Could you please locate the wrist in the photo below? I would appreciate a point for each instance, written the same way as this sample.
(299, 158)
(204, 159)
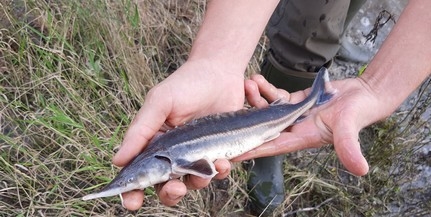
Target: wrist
(216, 69)
(378, 103)
(402, 62)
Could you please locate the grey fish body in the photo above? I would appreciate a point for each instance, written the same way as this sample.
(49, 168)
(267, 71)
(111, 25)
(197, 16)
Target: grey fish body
(191, 148)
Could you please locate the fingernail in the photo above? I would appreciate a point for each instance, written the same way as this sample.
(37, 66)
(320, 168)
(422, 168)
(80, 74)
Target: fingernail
(222, 171)
(174, 197)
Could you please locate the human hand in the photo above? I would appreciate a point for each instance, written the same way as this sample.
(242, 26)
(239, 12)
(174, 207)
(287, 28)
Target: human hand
(353, 107)
(196, 89)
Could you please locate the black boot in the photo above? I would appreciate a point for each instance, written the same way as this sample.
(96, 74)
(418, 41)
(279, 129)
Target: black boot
(285, 78)
(266, 182)
(266, 185)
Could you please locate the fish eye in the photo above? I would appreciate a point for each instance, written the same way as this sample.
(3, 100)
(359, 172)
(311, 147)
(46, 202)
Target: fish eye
(130, 180)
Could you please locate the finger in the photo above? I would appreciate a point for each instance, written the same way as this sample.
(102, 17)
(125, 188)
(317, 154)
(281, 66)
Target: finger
(287, 142)
(171, 192)
(298, 96)
(223, 168)
(346, 142)
(299, 137)
(144, 126)
(269, 91)
(271, 148)
(253, 95)
(133, 200)
(195, 182)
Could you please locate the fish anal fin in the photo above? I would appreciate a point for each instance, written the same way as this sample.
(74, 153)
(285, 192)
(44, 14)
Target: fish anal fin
(202, 168)
(272, 137)
(301, 118)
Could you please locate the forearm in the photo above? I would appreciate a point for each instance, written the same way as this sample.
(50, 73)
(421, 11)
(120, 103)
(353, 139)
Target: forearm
(230, 32)
(404, 60)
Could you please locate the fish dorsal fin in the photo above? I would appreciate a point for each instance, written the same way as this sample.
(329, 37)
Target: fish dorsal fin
(279, 102)
(202, 168)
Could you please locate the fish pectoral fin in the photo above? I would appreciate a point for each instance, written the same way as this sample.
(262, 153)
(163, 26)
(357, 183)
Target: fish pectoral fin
(203, 168)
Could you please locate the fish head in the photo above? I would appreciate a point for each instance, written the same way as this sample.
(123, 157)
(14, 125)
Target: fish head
(139, 174)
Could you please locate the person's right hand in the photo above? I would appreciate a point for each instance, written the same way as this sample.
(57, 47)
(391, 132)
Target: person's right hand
(196, 89)
(353, 106)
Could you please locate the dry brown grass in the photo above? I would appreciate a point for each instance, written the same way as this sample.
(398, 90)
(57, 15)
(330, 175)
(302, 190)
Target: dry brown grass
(73, 74)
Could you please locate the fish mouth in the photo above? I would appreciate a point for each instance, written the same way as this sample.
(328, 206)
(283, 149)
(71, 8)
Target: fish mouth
(109, 191)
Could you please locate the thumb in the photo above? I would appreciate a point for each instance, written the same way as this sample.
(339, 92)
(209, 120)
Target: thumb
(346, 143)
(144, 126)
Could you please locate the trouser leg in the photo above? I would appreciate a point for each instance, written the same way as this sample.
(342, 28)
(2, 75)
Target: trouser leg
(304, 35)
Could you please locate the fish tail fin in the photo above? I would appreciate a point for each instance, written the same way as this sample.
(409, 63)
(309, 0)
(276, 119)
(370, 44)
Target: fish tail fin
(321, 90)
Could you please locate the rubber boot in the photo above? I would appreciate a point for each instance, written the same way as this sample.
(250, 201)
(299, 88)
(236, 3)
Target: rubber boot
(266, 185)
(266, 181)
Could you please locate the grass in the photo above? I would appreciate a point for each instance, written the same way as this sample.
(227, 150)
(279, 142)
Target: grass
(74, 74)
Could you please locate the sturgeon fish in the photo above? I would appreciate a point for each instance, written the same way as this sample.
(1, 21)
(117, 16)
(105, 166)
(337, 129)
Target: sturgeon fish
(192, 148)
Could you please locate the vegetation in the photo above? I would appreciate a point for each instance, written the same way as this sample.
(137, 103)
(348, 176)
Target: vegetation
(73, 75)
